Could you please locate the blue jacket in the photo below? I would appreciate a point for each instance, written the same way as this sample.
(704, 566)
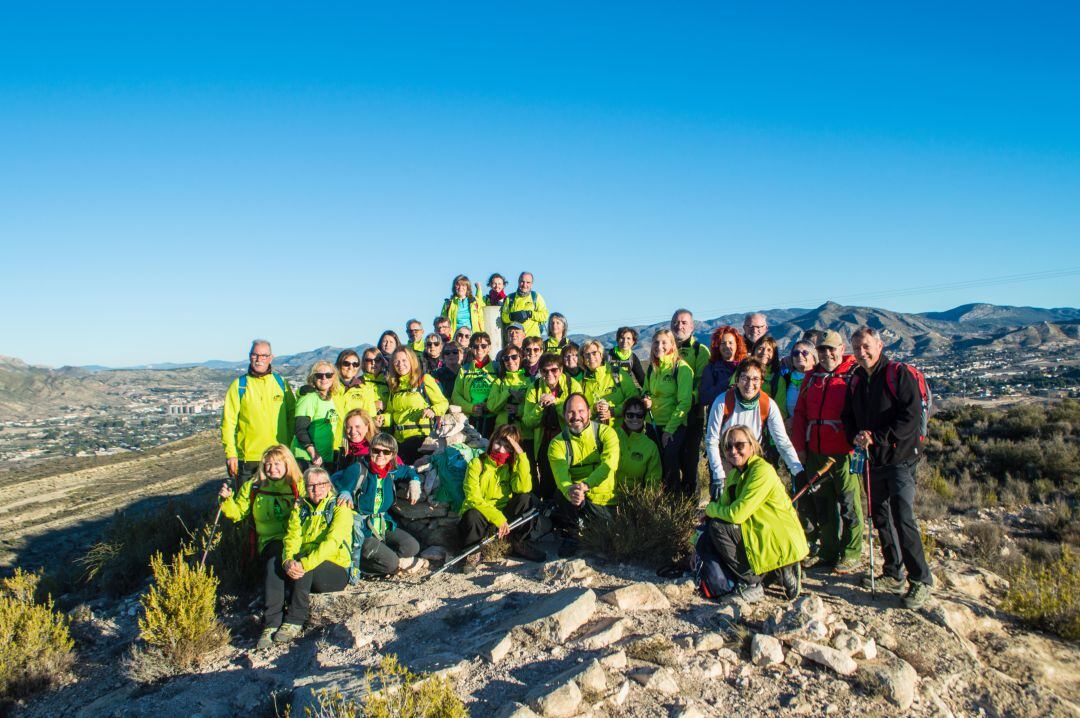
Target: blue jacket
(371, 496)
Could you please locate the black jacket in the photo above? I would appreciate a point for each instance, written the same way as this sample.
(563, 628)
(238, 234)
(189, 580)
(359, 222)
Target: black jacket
(893, 421)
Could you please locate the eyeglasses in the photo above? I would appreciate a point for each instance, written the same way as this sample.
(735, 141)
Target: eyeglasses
(260, 356)
(737, 445)
(432, 344)
(316, 485)
(750, 379)
(551, 370)
(381, 452)
(447, 355)
(634, 416)
(482, 345)
(593, 353)
(351, 363)
(800, 353)
(512, 357)
(324, 375)
(533, 350)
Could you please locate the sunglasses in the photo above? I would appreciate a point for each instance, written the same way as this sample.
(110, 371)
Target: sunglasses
(552, 370)
(324, 375)
(432, 344)
(368, 361)
(800, 353)
(482, 345)
(320, 483)
(634, 417)
(381, 452)
(737, 445)
(351, 363)
(512, 357)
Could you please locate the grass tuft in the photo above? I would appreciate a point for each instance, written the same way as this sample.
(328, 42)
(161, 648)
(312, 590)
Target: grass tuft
(399, 694)
(649, 527)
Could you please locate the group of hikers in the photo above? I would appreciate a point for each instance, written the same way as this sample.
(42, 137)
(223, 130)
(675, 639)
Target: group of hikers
(570, 428)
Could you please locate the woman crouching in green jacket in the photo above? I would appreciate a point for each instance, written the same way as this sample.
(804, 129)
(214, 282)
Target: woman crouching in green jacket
(753, 528)
(268, 499)
(316, 554)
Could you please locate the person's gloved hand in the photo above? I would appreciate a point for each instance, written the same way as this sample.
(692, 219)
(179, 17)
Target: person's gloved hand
(413, 495)
(801, 478)
(714, 491)
(520, 316)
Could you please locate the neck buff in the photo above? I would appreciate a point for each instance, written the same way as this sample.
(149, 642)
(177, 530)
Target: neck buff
(499, 457)
(744, 404)
(382, 471)
(358, 448)
(496, 297)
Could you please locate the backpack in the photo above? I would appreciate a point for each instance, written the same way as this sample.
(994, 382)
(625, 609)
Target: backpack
(256, 489)
(926, 396)
(709, 574)
(306, 511)
(764, 405)
(570, 448)
(242, 386)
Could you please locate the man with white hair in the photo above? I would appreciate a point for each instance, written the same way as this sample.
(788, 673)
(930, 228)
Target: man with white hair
(258, 413)
(754, 327)
(525, 307)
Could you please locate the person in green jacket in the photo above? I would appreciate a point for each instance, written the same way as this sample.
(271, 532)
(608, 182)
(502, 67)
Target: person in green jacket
(606, 386)
(507, 397)
(696, 355)
(315, 555)
(416, 402)
(525, 307)
(498, 489)
(543, 415)
(639, 459)
(462, 308)
(753, 528)
(267, 500)
(571, 361)
(317, 427)
(355, 390)
(584, 458)
(258, 414)
(474, 382)
(374, 373)
(414, 330)
(557, 329)
(668, 395)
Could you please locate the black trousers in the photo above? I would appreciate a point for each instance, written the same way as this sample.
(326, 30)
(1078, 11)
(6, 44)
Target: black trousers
(244, 471)
(690, 451)
(327, 577)
(573, 518)
(381, 557)
(728, 543)
(273, 584)
(669, 456)
(545, 485)
(473, 526)
(892, 507)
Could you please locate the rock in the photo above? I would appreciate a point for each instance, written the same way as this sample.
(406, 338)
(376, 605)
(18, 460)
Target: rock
(807, 617)
(619, 696)
(884, 637)
(831, 658)
(891, 677)
(637, 597)
(711, 641)
(728, 655)
(716, 669)
(593, 679)
(615, 661)
(846, 642)
(557, 615)
(729, 613)
(558, 701)
(686, 643)
(868, 650)
(661, 680)
(564, 570)
(419, 511)
(810, 607)
(497, 649)
(355, 632)
(602, 633)
(765, 650)
(816, 630)
(688, 711)
(679, 590)
(515, 710)
(350, 684)
(435, 554)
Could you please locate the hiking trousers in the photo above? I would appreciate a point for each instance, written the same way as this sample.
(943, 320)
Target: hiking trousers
(473, 526)
(669, 457)
(327, 577)
(381, 557)
(727, 542)
(837, 506)
(273, 584)
(690, 451)
(892, 507)
(574, 518)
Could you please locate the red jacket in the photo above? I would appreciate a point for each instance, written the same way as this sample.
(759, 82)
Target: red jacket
(816, 424)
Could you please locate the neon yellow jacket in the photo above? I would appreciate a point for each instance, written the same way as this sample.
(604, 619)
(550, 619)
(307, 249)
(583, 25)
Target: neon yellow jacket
(476, 313)
(358, 396)
(263, 418)
(554, 346)
(488, 487)
(590, 464)
(696, 355)
(509, 391)
(606, 384)
(407, 404)
(532, 415)
(755, 498)
(472, 386)
(309, 540)
(639, 460)
(538, 312)
(270, 510)
(382, 389)
(671, 387)
(325, 426)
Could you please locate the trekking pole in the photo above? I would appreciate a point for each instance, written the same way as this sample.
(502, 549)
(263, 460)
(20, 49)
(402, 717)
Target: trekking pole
(870, 530)
(210, 541)
(811, 485)
(524, 518)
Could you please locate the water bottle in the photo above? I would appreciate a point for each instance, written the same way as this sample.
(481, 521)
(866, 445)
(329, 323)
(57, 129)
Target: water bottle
(857, 462)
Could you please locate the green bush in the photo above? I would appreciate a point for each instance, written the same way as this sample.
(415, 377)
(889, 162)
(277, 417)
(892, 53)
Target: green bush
(1047, 596)
(35, 643)
(403, 694)
(178, 622)
(649, 526)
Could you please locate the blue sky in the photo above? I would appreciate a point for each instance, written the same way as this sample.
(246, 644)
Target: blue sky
(176, 179)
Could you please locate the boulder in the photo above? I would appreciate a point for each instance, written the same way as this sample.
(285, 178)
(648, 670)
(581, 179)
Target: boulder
(831, 658)
(564, 570)
(765, 650)
(602, 633)
(637, 597)
(846, 642)
(515, 710)
(891, 677)
(661, 680)
(614, 661)
(557, 615)
(497, 648)
(711, 641)
(560, 700)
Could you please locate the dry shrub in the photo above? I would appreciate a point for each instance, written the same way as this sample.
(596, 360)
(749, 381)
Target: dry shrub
(496, 550)
(403, 694)
(649, 526)
(986, 541)
(1047, 596)
(178, 621)
(35, 642)
(660, 650)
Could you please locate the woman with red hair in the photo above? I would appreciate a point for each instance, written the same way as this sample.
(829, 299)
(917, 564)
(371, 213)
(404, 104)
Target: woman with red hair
(726, 349)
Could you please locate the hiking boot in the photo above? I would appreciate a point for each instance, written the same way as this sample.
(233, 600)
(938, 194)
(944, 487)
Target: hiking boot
(846, 565)
(287, 633)
(791, 580)
(525, 550)
(266, 639)
(884, 583)
(916, 596)
(569, 547)
(749, 592)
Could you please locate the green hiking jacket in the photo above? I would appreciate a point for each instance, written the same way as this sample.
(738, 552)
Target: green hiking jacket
(407, 404)
(263, 418)
(270, 510)
(590, 464)
(639, 460)
(606, 384)
(538, 312)
(488, 487)
(309, 540)
(671, 386)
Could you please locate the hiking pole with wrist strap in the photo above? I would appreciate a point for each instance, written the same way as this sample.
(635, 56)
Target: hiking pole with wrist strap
(864, 458)
(213, 532)
(811, 485)
(520, 520)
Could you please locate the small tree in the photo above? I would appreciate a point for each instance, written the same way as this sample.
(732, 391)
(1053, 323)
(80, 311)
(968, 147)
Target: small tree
(35, 644)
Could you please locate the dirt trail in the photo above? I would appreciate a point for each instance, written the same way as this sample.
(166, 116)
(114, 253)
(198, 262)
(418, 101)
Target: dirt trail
(69, 498)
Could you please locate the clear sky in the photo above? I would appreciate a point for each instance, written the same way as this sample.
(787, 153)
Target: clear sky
(176, 178)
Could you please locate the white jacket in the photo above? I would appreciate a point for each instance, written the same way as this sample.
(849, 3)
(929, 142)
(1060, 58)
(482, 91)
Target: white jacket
(752, 420)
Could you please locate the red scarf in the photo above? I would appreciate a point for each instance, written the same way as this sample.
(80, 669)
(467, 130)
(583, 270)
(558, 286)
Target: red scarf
(496, 297)
(358, 448)
(381, 471)
(481, 363)
(499, 457)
